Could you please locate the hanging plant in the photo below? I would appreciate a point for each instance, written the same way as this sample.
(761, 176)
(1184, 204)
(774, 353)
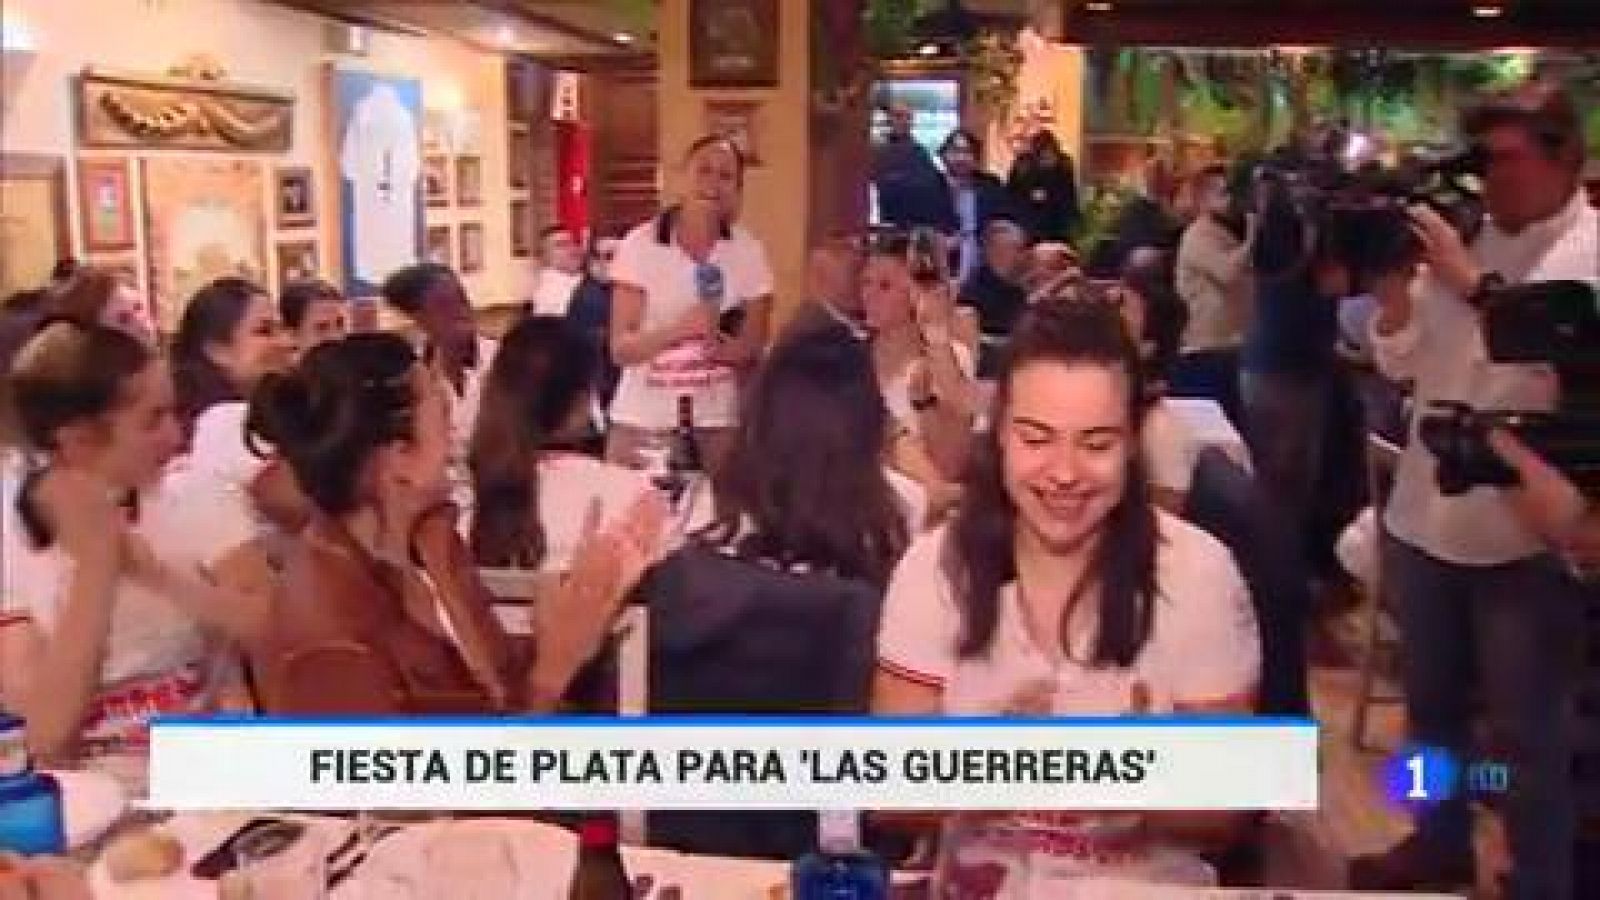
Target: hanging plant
(993, 61)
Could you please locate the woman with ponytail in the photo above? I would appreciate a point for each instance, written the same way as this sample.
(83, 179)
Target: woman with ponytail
(531, 484)
(382, 608)
(98, 632)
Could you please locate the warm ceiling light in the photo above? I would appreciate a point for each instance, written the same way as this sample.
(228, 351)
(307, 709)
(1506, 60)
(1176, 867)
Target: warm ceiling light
(505, 35)
(928, 49)
(622, 37)
(1488, 12)
(1098, 6)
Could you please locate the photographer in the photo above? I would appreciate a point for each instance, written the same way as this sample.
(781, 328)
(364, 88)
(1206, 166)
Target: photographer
(1477, 592)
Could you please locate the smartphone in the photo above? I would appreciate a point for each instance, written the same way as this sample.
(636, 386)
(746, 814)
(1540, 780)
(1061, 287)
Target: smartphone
(224, 858)
(926, 268)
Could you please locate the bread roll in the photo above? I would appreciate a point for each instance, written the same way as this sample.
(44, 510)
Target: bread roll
(143, 854)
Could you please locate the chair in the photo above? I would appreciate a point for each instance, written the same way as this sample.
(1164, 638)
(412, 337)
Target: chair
(1382, 458)
(729, 635)
(517, 590)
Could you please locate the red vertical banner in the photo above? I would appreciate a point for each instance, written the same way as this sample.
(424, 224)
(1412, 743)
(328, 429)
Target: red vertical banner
(573, 173)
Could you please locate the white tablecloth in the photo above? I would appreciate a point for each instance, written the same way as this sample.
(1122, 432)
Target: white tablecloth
(545, 857)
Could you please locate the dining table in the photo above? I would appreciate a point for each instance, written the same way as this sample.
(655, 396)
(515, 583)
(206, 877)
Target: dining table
(520, 859)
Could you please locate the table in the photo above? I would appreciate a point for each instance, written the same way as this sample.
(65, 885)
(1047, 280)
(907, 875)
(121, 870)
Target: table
(1210, 426)
(546, 855)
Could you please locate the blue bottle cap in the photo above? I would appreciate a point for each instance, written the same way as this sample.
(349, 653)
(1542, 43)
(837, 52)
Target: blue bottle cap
(708, 283)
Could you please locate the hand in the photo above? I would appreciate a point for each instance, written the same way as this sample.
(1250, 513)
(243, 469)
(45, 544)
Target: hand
(1545, 500)
(82, 511)
(934, 309)
(41, 878)
(1447, 255)
(696, 323)
(1033, 698)
(574, 621)
(726, 351)
(403, 502)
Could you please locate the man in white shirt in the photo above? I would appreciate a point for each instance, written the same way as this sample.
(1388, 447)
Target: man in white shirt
(1476, 590)
(560, 270)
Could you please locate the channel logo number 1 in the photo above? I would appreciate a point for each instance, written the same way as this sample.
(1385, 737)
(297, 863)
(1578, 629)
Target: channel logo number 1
(1420, 776)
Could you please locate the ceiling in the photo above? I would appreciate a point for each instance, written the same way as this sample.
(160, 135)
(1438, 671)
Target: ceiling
(582, 32)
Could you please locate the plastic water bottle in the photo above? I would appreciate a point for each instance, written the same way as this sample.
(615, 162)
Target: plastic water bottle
(30, 802)
(841, 869)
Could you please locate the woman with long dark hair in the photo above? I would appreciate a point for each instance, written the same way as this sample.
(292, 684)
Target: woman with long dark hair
(690, 300)
(805, 483)
(220, 498)
(313, 311)
(531, 482)
(382, 610)
(1059, 588)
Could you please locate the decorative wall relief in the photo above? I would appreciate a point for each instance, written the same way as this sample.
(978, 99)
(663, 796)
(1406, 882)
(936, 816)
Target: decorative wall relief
(204, 219)
(191, 108)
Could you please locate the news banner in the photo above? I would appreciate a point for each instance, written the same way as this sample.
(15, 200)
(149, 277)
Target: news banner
(728, 763)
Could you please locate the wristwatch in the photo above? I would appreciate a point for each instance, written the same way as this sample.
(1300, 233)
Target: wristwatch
(1488, 283)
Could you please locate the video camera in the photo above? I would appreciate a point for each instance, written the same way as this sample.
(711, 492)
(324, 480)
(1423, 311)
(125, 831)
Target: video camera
(1360, 210)
(1552, 322)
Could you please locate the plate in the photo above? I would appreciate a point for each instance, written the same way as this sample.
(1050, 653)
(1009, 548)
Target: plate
(91, 802)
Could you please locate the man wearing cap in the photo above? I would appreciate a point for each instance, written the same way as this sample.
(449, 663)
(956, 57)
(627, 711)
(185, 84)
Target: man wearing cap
(1481, 601)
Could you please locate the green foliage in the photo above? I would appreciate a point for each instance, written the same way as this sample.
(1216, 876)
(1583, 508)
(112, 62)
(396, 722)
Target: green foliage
(888, 24)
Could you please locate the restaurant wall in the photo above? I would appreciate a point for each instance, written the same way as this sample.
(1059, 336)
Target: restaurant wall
(264, 45)
(777, 191)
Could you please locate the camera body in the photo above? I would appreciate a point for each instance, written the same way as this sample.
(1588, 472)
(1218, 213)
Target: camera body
(1360, 213)
(1556, 323)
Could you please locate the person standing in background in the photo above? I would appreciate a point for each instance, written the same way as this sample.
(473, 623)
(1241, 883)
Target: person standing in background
(1214, 282)
(975, 198)
(909, 185)
(590, 311)
(691, 297)
(1044, 189)
(560, 271)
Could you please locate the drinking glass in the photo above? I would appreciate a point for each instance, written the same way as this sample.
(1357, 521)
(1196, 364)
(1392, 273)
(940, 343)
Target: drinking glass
(268, 870)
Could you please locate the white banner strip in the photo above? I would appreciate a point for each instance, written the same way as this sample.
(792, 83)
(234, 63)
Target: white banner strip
(734, 763)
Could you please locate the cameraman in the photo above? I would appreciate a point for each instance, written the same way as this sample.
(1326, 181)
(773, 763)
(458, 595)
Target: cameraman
(1476, 591)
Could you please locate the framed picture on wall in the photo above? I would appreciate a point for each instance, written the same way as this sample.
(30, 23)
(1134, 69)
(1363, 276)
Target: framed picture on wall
(296, 203)
(105, 198)
(469, 181)
(436, 181)
(376, 149)
(297, 261)
(520, 157)
(203, 219)
(438, 249)
(471, 259)
(35, 230)
(736, 120)
(733, 43)
(521, 229)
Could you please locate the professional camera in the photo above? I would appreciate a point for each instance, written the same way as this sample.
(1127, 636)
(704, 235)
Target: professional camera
(1552, 322)
(1360, 210)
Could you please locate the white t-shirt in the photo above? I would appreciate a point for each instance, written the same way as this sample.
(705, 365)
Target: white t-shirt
(897, 389)
(157, 660)
(203, 509)
(1203, 647)
(647, 395)
(380, 158)
(1170, 449)
(552, 291)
